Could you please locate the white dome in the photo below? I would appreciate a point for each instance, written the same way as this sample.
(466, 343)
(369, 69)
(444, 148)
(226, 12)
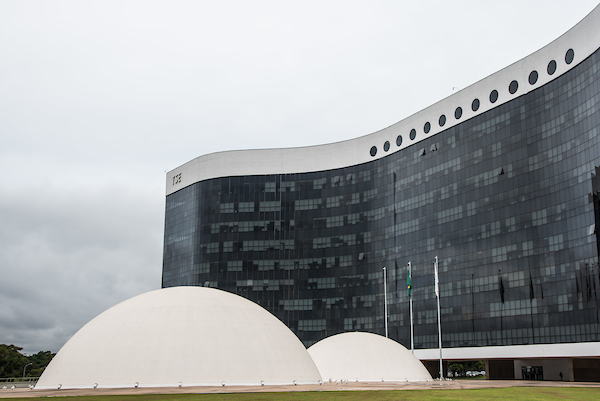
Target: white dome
(189, 336)
(366, 357)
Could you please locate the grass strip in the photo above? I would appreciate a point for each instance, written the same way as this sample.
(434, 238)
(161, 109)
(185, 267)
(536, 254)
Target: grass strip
(498, 394)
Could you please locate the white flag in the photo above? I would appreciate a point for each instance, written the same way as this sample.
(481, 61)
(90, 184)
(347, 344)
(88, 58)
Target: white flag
(437, 280)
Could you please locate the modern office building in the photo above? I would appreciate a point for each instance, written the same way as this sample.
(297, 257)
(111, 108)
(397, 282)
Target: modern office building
(498, 181)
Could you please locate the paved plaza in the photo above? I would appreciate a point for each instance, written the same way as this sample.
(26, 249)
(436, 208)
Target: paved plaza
(350, 386)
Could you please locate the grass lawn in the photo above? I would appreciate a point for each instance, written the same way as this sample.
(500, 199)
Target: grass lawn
(511, 393)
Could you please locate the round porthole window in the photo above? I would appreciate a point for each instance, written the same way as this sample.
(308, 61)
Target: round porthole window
(533, 77)
(427, 127)
(458, 113)
(373, 151)
(413, 134)
(512, 88)
(386, 146)
(399, 140)
(494, 96)
(442, 120)
(475, 105)
(569, 56)
(551, 67)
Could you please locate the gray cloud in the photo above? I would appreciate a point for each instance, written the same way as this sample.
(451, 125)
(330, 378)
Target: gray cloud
(66, 256)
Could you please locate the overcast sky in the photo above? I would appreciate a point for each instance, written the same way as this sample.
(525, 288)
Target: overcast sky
(99, 98)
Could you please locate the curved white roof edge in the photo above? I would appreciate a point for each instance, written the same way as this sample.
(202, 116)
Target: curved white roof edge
(566, 350)
(583, 38)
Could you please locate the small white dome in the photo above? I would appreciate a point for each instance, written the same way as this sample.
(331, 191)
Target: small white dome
(366, 357)
(189, 336)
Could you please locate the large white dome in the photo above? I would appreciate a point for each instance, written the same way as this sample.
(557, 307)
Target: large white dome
(366, 357)
(189, 336)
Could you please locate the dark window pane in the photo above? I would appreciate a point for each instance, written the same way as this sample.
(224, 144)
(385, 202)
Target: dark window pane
(551, 67)
(458, 113)
(533, 77)
(494, 96)
(569, 56)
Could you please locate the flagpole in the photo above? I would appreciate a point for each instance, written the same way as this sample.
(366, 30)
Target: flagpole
(385, 301)
(412, 333)
(437, 295)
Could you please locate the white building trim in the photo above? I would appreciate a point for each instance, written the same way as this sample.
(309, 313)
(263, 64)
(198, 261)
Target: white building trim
(568, 350)
(583, 38)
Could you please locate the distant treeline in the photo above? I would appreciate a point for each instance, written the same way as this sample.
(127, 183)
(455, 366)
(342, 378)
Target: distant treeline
(12, 362)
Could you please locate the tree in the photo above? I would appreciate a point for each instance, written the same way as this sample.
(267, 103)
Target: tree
(12, 362)
(39, 362)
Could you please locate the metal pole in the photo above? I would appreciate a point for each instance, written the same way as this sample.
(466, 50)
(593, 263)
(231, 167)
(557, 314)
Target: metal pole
(26, 368)
(437, 294)
(412, 332)
(385, 301)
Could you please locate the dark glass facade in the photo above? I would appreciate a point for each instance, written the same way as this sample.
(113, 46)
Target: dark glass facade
(505, 200)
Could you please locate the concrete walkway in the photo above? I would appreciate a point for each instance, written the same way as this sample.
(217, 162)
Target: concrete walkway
(350, 386)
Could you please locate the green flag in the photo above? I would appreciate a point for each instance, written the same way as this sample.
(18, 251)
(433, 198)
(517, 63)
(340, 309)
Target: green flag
(408, 282)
